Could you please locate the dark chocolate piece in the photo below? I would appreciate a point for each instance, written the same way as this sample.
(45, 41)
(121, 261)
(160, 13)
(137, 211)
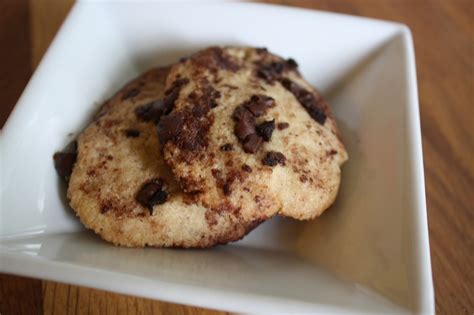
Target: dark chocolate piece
(169, 127)
(151, 111)
(226, 147)
(283, 125)
(265, 129)
(242, 113)
(172, 94)
(152, 193)
(271, 71)
(259, 104)
(273, 158)
(226, 189)
(291, 63)
(224, 61)
(130, 93)
(252, 143)
(132, 133)
(244, 128)
(64, 161)
(306, 99)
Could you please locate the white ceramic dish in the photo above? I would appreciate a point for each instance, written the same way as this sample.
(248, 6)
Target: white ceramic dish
(368, 253)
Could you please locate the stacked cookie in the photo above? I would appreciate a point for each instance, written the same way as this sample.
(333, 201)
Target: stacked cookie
(201, 152)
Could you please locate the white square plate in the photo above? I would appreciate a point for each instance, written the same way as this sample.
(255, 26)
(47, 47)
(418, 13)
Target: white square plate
(368, 253)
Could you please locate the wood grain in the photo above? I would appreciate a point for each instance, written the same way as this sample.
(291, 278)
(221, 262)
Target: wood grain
(45, 19)
(15, 53)
(443, 32)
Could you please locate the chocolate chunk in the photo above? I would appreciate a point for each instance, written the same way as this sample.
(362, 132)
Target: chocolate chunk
(283, 125)
(261, 50)
(105, 207)
(64, 161)
(177, 84)
(205, 101)
(271, 71)
(169, 127)
(259, 104)
(306, 99)
(221, 182)
(171, 95)
(132, 133)
(332, 152)
(200, 109)
(215, 95)
(170, 99)
(230, 87)
(152, 193)
(217, 174)
(186, 131)
(212, 95)
(273, 158)
(247, 168)
(317, 114)
(224, 61)
(244, 128)
(130, 93)
(291, 63)
(214, 59)
(245, 123)
(159, 197)
(303, 178)
(226, 147)
(151, 111)
(252, 143)
(226, 189)
(265, 129)
(242, 113)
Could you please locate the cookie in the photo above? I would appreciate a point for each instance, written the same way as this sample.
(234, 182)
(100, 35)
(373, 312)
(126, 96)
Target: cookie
(120, 187)
(248, 135)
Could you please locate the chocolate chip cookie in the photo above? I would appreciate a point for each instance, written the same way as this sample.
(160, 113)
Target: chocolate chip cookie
(247, 135)
(119, 185)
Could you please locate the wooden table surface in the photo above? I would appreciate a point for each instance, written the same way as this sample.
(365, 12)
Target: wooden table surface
(443, 32)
